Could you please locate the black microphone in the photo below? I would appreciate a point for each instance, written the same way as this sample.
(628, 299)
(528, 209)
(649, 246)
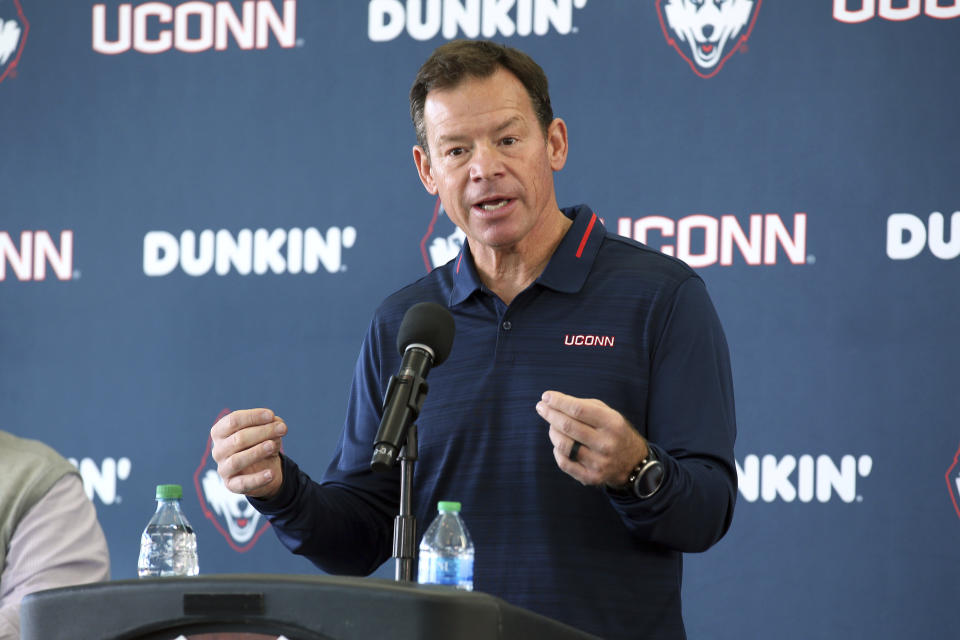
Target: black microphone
(425, 339)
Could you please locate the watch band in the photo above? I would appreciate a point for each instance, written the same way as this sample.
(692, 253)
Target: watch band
(647, 477)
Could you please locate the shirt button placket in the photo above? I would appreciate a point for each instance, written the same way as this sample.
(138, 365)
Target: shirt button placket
(508, 355)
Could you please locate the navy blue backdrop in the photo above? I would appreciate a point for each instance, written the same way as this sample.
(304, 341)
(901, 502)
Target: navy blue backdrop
(201, 204)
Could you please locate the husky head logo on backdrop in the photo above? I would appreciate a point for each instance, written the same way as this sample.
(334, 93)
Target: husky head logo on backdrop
(707, 32)
(13, 35)
(244, 524)
(443, 240)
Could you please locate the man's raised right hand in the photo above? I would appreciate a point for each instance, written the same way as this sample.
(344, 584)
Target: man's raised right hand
(246, 447)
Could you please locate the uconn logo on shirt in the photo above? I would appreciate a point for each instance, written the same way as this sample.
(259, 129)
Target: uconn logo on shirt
(582, 340)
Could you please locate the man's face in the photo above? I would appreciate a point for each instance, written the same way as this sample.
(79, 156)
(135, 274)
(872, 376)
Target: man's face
(489, 160)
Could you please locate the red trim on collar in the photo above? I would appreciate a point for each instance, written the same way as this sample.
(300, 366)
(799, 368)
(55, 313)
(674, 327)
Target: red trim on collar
(586, 234)
(459, 258)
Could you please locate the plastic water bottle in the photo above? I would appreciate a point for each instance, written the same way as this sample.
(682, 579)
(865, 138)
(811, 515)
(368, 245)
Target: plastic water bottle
(168, 546)
(446, 551)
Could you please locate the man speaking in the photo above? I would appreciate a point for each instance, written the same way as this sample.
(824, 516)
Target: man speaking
(584, 416)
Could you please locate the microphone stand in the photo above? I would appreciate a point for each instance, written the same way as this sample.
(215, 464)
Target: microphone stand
(411, 392)
(405, 524)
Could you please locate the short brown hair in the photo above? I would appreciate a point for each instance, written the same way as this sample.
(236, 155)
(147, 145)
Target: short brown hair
(455, 61)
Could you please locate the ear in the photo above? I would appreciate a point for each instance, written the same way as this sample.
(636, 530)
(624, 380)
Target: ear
(422, 160)
(557, 144)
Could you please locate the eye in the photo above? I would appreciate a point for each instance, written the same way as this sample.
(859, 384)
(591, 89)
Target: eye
(456, 151)
(508, 141)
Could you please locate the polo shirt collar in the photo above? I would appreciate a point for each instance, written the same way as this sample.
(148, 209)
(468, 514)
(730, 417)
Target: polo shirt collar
(571, 262)
(568, 267)
(466, 280)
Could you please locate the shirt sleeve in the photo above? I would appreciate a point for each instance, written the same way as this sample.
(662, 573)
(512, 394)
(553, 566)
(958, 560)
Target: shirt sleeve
(58, 543)
(691, 426)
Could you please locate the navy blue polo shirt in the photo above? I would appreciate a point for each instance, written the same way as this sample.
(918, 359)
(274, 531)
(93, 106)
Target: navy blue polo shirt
(609, 318)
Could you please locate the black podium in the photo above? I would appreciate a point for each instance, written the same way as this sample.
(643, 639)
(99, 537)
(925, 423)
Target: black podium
(272, 606)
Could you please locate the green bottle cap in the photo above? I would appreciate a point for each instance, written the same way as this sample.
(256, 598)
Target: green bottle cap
(169, 492)
(445, 505)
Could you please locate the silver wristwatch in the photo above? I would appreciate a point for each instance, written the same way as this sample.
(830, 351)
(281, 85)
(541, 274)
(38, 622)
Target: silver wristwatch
(647, 477)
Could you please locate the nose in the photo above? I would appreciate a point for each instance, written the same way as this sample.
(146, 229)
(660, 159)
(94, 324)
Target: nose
(485, 163)
(707, 31)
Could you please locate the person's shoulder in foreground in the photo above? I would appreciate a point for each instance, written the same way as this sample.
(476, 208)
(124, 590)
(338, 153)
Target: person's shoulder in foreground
(49, 533)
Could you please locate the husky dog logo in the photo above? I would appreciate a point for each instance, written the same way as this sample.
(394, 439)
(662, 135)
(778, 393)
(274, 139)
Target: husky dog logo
(953, 482)
(443, 240)
(13, 35)
(710, 30)
(244, 524)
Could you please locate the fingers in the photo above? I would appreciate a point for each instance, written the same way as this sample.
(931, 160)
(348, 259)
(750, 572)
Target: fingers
(581, 465)
(569, 419)
(589, 411)
(237, 420)
(250, 484)
(609, 445)
(573, 457)
(238, 441)
(239, 462)
(246, 448)
(563, 445)
(564, 431)
(255, 471)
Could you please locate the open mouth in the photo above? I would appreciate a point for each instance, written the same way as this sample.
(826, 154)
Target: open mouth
(493, 204)
(706, 48)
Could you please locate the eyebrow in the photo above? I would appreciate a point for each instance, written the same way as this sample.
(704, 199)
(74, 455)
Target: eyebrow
(506, 124)
(509, 122)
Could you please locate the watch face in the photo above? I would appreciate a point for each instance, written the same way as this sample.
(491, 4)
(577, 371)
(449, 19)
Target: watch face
(648, 480)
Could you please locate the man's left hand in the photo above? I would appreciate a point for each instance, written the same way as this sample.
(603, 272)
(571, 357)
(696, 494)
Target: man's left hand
(609, 448)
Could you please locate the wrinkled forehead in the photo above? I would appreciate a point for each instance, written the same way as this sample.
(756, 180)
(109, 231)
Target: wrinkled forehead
(478, 94)
(499, 95)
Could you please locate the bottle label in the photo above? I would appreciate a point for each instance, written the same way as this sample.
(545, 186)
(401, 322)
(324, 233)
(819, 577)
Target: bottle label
(455, 571)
